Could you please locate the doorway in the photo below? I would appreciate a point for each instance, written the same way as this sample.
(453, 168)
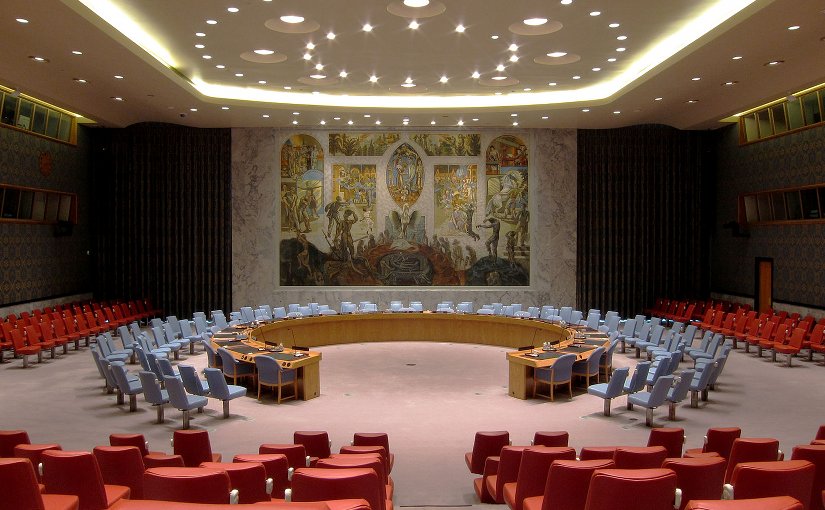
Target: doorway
(763, 285)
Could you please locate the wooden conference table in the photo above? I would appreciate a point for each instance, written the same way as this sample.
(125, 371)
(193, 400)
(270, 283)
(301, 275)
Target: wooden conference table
(316, 331)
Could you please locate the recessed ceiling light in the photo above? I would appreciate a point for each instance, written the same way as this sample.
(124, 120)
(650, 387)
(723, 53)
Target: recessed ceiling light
(552, 84)
(535, 22)
(614, 25)
(494, 37)
(79, 80)
(500, 67)
(658, 99)
(476, 75)
(292, 19)
(611, 59)
(232, 9)
(22, 20)
(621, 38)
(336, 118)
(414, 25)
(318, 67)
(294, 122)
(211, 22)
(696, 78)
(475, 119)
(287, 87)
(296, 113)
(317, 76)
(77, 52)
(224, 107)
(373, 79)
(262, 82)
(405, 122)
(793, 27)
(408, 80)
(528, 89)
(367, 115)
(566, 2)
(498, 93)
(367, 27)
(514, 115)
(265, 116)
(460, 29)
(220, 66)
(264, 52)
(774, 63)
(432, 123)
(307, 56)
(513, 58)
(620, 49)
(323, 122)
(691, 101)
(200, 34)
(595, 13)
(118, 77)
(513, 47)
(557, 54)
(38, 58)
(498, 78)
(207, 57)
(416, 3)
(577, 77)
(544, 117)
(239, 75)
(310, 46)
(730, 83)
(736, 57)
(460, 123)
(443, 79)
(349, 122)
(377, 122)
(330, 35)
(515, 123)
(343, 74)
(193, 109)
(200, 46)
(116, 98)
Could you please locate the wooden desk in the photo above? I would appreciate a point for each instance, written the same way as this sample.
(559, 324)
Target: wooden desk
(523, 363)
(247, 347)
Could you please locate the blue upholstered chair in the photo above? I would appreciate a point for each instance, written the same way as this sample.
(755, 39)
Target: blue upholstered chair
(161, 342)
(652, 399)
(234, 368)
(279, 312)
(637, 382)
(152, 392)
(181, 400)
(610, 390)
(560, 372)
(641, 335)
(127, 384)
(606, 362)
(187, 333)
(701, 382)
(173, 336)
(658, 368)
(219, 319)
(193, 384)
(220, 390)
(166, 369)
(712, 349)
(679, 392)
(247, 314)
(575, 317)
(213, 360)
(655, 339)
(590, 367)
(270, 373)
(106, 352)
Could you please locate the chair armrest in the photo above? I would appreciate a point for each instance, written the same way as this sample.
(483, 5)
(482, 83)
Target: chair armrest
(491, 466)
(677, 500)
(289, 473)
(308, 460)
(233, 497)
(727, 491)
(288, 495)
(269, 486)
(40, 469)
(780, 455)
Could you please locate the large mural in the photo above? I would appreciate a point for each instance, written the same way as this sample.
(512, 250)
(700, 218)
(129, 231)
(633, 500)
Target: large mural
(336, 239)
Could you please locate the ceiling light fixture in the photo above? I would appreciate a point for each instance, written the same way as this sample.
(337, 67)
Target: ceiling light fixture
(597, 69)
(291, 19)
(595, 13)
(793, 27)
(696, 78)
(460, 122)
(614, 25)
(620, 49)
(498, 78)
(773, 63)
(330, 35)
(336, 118)
(527, 89)
(207, 57)
(200, 34)
(432, 123)
(224, 107)
(552, 84)
(692, 101)
(494, 37)
(200, 46)
(611, 59)
(416, 3)
(444, 79)
(310, 46)
(476, 75)
(262, 82)
(658, 99)
(211, 22)
(239, 75)
(535, 22)
(116, 98)
(367, 27)
(307, 56)
(373, 79)
(621, 38)
(367, 115)
(220, 66)
(22, 20)
(232, 9)
(79, 80)
(515, 123)
(118, 77)
(193, 109)
(77, 52)
(39, 59)
(513, 58)
(730, 83)
(513, 47)
(317, 76)
(318, 67)
(500, 67)
(287, 87)
(265, 116)
(577, 77)
(460, 29)
(413, 25)
(514, 115)
(343, 74)
(736, 57)
(557, 54)
(264, 52)
(617, 112)
(323, 122)
(566, 2)
(377, 122)
(294, 122)
(544, 117)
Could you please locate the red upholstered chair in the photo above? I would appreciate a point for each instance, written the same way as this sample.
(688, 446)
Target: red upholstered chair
(778, 503)
(820, 433)
(365, 460)
(20, 490)
(374, 439)
(671, 438)
(778, 478)
(639, 457)
(121, 465)
(815, 454)
(316, 443)
(136, 440)
(194, 447)
(77, 473)
(486, 444)
(698, 478)
(567, 484)
(551, 438)
(631, 489)
(598, 452)
(532, 473)
(11, 438)
(21, 348)
(34, 452)
(154, 460)
(188, 485)
(296, 454)
(490, 487)
(379, 450)
(751, 449)
(276, 466)
(340, 504)
(719, 440)
(248, 477)
(315, 484)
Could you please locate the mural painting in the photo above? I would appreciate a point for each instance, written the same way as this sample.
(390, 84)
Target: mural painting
(449, 144)
(360, 144)
(477, 240)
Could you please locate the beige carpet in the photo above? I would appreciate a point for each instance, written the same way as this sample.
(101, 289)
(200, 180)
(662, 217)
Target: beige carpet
(429, 397)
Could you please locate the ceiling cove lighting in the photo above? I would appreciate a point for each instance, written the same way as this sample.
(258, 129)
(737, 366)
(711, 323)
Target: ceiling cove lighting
(535, 22)
(292, 19)
(416, 3)
(713, 15)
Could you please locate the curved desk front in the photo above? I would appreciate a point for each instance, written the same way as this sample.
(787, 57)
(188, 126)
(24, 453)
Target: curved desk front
(501, 331)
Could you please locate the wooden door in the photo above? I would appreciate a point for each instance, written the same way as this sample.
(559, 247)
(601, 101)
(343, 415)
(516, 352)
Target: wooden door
(763, 291)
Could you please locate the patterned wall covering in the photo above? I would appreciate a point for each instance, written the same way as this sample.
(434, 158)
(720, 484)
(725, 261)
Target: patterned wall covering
(797, 250)
(35, 263)
(257, 222)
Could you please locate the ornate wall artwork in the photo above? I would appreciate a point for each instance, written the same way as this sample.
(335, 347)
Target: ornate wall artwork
(506, 222)
(355, 186)
(449, 144)
(361, 144)
(455, 218)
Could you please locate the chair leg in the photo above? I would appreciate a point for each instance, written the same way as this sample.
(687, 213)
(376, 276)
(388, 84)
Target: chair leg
(694, 399)
(185, 419)
(649, 417)
(25, 361)
(191, 347)
(133, 402)
(40, 357)
(629, 404)
(773, 356)
(160, 413)
(226, 409)
(119, 397)
(790, 356)
(671, 411)
(607, 407)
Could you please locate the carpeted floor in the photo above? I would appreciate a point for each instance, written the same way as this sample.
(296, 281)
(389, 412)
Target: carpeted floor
(430, 397)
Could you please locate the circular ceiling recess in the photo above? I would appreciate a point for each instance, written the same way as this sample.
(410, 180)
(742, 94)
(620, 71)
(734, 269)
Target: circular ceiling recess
(251, 56)
(428, 11)
(502, 81)
(557, 61)
(521, 28)
(329, 80)
(303, 27)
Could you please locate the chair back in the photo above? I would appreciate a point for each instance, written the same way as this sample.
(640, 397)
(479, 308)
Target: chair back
(751, 449)
(551, 438)
(594, 360)
(615, 386)
(815, 454)
(178, 396)
(639, 457)
(660, 369)
(228, 363)
(486, 444)
(247, 477)
(136, 440)
(568, 482)
(637, 381)
(185, 328)
(678, 392)
(268, 369)
(533, 469)
(316, 442)
(193, 445)
(672, 439)
(296, 454)
(620, 489)
(276, 466)
(776, 478)
(218, 386)
(659, 392)
(316, 484)
(357, 460)
(212, 358)
(165, 367)
(121, 465)
(191, 382)
(75, 473)
(187, 485)
(11, 438)
(201, 325)
(119, 373)
(720, 440)
(562, 369)
(629, 328)
(372, 439)
(698, 478)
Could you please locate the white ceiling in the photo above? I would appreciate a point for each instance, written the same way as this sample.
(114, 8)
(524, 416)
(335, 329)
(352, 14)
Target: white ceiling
(163, 90)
